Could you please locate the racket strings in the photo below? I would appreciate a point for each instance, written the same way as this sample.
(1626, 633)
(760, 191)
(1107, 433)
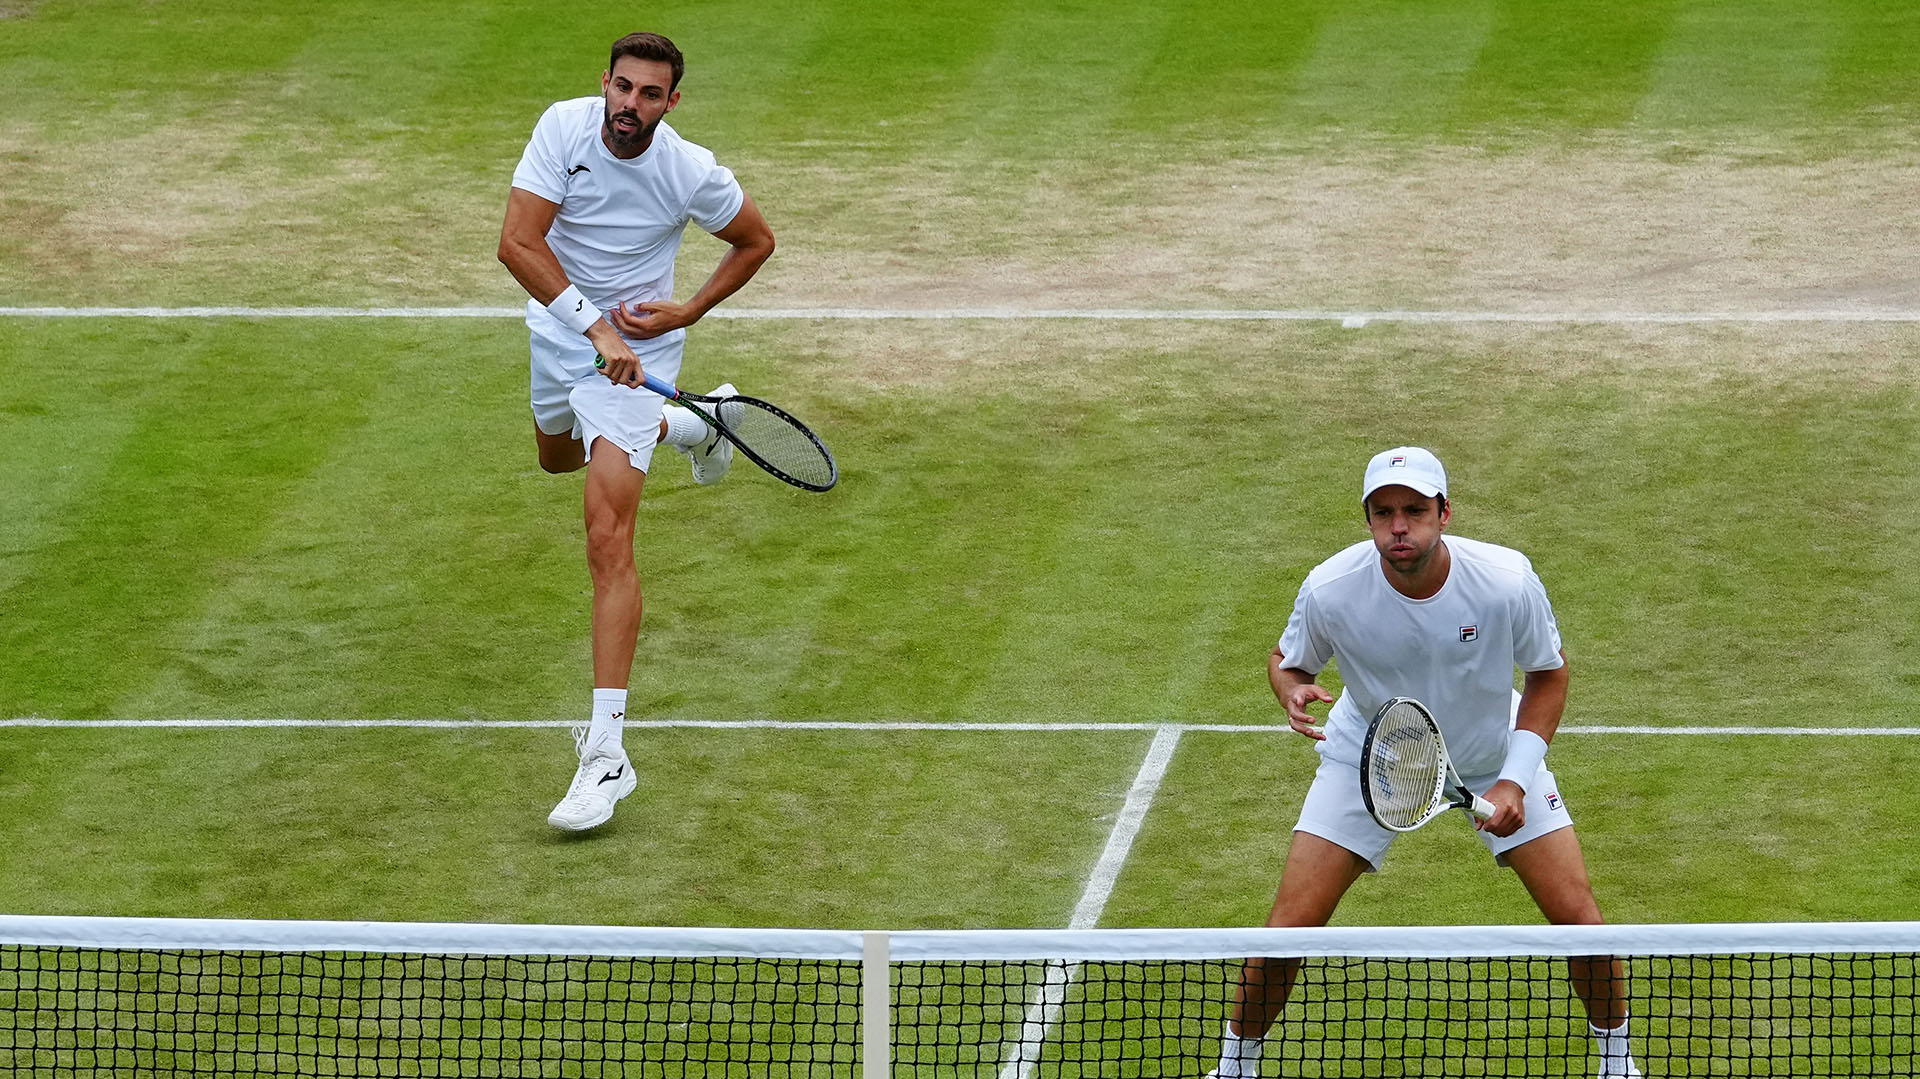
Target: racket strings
(781, 442)
(1405, 768)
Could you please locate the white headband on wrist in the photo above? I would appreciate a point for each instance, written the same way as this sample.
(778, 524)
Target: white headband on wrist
(573, 309)
(1525, 751)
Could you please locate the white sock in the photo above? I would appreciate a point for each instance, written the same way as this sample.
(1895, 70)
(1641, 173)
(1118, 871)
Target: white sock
(1616, 1057)
(1239, 1057)
(684, 426)
(609, 713)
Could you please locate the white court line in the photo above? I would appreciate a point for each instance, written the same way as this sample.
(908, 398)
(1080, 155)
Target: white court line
(1146, 784)
(902, 725)
(1045, 1010)
(1349, 319)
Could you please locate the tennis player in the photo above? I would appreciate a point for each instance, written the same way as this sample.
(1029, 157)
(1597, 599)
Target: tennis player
(1446, 621)
(599, 203)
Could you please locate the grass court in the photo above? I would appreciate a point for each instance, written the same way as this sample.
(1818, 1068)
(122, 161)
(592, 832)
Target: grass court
(1061, 520)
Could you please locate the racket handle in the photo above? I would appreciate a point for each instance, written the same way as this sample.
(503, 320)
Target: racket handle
(664, 389)
(1482, 808)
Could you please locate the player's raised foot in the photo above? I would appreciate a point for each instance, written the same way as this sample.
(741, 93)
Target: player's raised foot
(713, 456)
(730, 412)
(604, 777)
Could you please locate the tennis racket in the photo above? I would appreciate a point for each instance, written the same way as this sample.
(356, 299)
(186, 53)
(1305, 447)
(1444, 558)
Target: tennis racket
(765, 432)
(1406, 777)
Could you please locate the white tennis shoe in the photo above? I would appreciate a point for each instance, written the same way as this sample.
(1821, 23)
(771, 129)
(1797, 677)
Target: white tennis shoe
(604, 777)
(713, 456)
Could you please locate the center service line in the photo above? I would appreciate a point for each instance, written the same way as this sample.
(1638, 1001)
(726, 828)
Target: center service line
(1044, 1012)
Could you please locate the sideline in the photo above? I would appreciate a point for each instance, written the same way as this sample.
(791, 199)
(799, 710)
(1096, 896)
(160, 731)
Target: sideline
(916, 725)
(1348, 319)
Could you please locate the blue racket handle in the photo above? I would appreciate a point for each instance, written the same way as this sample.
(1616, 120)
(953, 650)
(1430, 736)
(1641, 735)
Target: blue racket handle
(665, 390)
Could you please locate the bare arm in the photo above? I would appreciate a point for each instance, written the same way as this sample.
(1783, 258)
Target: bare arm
(524, 252)
(1295, 687)
(523, 245)
(749, 242)
(1543, 697)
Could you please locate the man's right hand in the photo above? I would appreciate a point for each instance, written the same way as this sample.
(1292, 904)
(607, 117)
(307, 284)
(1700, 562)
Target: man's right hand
(622, 367)
(1297, 716)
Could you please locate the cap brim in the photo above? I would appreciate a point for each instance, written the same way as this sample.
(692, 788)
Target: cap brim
(1426, 489)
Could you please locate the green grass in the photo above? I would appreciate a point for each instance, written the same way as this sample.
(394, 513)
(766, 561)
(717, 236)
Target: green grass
(359, 152)
(1043, 521)
(357, 531)
(1038, 521)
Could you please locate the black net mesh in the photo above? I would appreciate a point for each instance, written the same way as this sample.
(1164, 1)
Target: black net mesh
(81, 1012)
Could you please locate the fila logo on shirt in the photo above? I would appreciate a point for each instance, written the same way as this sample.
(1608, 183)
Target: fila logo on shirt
(1469, 633)
(1553, 799)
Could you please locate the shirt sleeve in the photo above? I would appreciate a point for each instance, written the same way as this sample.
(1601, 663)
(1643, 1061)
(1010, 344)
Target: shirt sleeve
(542, 168)
(717, 200)
(1536, 633)
(1304, 644)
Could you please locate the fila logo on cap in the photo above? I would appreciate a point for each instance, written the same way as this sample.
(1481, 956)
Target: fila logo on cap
(1406, 466)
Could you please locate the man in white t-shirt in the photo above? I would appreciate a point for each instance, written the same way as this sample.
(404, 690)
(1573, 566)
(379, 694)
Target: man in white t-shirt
(594, 219)
(1446, 621)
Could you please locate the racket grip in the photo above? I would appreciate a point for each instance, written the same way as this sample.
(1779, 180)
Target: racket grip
(663, 389)
(1481, 808)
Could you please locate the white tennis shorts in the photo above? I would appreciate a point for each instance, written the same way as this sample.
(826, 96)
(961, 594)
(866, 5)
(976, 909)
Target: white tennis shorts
(1334, 811)
(571, 396)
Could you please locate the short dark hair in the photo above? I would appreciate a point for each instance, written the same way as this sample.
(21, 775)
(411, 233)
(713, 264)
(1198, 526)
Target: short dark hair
(645, 46)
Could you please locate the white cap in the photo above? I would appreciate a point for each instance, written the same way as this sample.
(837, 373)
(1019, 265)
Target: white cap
(1407, 466)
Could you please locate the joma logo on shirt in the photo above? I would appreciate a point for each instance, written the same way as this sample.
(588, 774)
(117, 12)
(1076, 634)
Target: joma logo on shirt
(1468, 633)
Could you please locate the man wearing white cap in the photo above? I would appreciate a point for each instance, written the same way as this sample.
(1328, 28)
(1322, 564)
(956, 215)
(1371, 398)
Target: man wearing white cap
(1413, 612)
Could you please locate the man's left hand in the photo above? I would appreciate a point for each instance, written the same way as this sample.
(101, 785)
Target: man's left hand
(641, 321)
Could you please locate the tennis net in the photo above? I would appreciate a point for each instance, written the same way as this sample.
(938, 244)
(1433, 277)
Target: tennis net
(167, 997)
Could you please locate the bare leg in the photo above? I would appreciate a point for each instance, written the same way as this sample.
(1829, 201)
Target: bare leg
(1317, 875)
(559, 453)
(612, 499)
(1555, 874)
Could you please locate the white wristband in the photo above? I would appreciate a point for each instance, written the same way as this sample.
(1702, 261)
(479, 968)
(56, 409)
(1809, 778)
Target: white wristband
(573, 309)
(1525, 751)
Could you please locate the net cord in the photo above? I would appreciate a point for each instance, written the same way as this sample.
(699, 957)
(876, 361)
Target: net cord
(1464, 941)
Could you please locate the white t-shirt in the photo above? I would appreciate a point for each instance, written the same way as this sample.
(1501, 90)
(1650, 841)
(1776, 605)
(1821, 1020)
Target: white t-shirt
(1454, 651)
(620, 222)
